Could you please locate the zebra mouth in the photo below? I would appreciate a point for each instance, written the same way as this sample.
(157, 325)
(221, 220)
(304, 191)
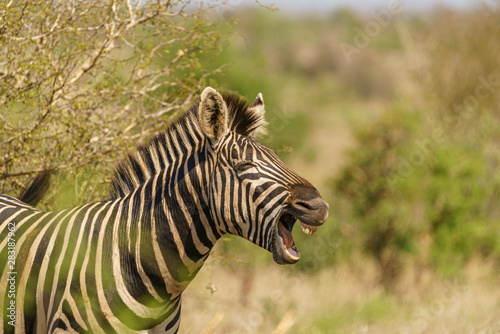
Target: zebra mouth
(284, 250)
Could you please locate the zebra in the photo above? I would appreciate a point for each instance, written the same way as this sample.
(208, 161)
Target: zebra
(120, 265)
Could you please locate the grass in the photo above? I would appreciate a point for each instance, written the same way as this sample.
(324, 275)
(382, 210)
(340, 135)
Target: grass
(338, 319)
(341, 299)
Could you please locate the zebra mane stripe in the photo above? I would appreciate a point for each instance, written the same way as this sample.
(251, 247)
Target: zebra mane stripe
(178, 139)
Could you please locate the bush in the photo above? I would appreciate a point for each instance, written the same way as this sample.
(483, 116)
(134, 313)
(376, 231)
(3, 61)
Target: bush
(423, 181)
(380, 190)
(81, 82)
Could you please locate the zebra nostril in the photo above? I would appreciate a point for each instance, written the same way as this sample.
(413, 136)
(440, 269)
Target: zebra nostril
(312, 204)
(304, 205)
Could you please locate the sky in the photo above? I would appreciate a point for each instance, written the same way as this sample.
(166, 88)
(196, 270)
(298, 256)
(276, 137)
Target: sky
(304, 6)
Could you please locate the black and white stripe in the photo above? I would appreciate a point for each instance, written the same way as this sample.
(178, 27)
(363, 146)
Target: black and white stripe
(120, 265)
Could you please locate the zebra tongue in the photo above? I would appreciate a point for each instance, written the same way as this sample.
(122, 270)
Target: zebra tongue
(288, 242)
(286, 236)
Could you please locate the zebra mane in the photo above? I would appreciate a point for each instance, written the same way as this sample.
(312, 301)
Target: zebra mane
(243, 118)
(179, 138)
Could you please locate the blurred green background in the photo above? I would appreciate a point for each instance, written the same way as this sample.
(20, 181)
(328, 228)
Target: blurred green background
(394, 115)
(395, 118)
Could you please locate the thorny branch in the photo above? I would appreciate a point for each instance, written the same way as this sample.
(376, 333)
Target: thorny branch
(82, 81)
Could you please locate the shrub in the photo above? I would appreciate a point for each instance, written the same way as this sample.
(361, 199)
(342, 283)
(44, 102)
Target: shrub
(84, 81)
(423, 180)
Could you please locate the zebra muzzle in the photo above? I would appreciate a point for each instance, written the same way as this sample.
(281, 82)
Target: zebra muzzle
(310, 210)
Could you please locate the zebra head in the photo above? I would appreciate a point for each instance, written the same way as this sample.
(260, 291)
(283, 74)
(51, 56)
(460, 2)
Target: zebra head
(253, 194)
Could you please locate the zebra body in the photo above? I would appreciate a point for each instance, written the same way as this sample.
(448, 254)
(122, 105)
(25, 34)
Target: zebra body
(121, 265)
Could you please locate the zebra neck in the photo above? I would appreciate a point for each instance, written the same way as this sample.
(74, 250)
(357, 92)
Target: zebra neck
(167, 180)
(177, 222)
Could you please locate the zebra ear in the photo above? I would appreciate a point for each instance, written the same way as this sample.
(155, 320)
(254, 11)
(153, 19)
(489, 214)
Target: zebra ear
(212, 114)
(256, 111)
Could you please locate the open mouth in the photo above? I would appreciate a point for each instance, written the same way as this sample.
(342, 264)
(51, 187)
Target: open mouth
(285, 250)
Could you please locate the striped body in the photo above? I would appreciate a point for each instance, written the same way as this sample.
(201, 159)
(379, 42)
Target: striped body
(120, 265)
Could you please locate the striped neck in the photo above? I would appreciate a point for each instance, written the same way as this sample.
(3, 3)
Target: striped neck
(172, 233)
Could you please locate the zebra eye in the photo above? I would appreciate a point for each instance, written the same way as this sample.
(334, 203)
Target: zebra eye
(244, 165)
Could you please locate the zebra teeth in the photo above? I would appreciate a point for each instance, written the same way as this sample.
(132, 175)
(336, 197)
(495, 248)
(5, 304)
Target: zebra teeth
(308, 229)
